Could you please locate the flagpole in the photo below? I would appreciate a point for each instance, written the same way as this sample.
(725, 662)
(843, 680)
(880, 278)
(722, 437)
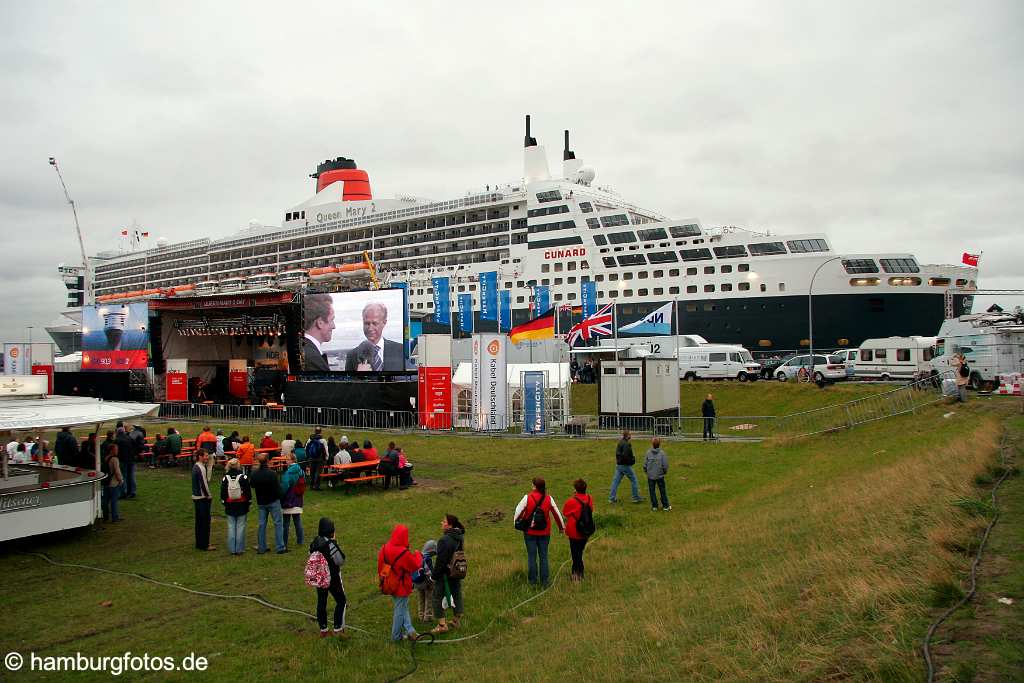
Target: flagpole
(618, 365)
(675, 309)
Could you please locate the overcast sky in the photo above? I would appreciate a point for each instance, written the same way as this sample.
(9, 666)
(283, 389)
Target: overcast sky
(889, 125)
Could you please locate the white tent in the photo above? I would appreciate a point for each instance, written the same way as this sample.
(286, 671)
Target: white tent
(463, 376)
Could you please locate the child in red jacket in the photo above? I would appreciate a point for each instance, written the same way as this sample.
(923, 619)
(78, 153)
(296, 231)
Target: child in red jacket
(403, 562)
(577, 540)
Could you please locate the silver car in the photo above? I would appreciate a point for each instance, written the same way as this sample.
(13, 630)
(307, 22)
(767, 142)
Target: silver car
(826, 368)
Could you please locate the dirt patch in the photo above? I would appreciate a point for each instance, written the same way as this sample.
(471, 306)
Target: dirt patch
(489, 516)
(442, 486)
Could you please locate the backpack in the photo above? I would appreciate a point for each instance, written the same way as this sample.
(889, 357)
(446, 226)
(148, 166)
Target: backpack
(299, 487)
(318, 575)
(533, 521)
(235, 493)
(313, 450)
(389, 579)
(964, 370)
(585, 522)
(457, 567)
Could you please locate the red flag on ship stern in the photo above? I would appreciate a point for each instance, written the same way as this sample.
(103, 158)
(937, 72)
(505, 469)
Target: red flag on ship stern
(971, 259)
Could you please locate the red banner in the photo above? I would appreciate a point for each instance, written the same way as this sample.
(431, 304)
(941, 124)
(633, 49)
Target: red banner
(238, 383)
(434, 402)
(115, 360)
(45, 370)
(177, 386)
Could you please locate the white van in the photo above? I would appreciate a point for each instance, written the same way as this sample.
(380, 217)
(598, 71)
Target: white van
(717, 361)
(849, 359)
(894, 358)
(992, 343)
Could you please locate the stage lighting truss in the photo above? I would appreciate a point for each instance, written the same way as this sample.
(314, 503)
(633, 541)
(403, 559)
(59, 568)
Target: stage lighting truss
(237, 326)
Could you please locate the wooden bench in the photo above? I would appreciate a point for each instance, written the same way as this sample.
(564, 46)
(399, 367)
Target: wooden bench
(368, 477)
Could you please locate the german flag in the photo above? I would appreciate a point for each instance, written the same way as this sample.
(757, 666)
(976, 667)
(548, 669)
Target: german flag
(541, 327)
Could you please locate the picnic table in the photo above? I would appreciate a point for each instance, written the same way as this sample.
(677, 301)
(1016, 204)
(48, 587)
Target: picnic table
(353, 473)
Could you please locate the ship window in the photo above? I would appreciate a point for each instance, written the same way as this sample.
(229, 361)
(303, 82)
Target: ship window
(545, 267)
(674, 272)
(621, 237)
(586, 207)
(938, 281)
(642, 275)
(632, 260)
(662, 257)
(609, 261)
(725, 269)
(673, 290)
(767, 248)
(558, 280)
(726, 287)
(547, 211)
(593, 223)
(559, 242)
(627, 276)
(614, 221)
(860, 265)
(658, 291)
(548, 227)
(652, 234)
(571, 279)
(863, 281)
(733, 251)
(462, 288)
(899, 265)
(904, 281)
(685, 230)
(612, 277)
(691, 271)
(600, 240)
(709, 288)
(709, 270)
(744, 286)
(641, 292)
(782, 286)
(961, 282)
(658, 273)
(558, 297)
(558, 267)
(519, 300)
(691, 289)
(764, 287)
(627, 292)
(545, 282)
(806, 246)
(572, 296)
(571, 265)
(549, 196)
(599, 278)
(695, 254)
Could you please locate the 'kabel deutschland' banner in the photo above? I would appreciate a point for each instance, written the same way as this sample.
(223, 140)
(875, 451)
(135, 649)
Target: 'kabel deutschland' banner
(490, 383)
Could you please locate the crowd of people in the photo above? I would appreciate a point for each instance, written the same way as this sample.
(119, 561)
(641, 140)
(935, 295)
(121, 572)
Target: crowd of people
(582, 374)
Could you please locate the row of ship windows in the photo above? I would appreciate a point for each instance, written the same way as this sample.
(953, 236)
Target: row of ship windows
(889, 265)
(460, 218)
(704, 254)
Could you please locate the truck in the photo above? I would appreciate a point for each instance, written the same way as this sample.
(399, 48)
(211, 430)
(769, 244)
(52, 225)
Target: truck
(992, 344)
(889, 358)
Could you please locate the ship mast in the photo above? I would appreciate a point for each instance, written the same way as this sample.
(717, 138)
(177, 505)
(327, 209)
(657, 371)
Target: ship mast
(78, 229)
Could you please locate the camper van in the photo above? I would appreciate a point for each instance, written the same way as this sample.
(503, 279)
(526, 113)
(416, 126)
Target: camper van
(992, 343)
(717, 361)
(894, 358)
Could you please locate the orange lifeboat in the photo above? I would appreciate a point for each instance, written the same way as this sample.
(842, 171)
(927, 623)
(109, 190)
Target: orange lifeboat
(353, 270)
(178, 290)
(325, 273)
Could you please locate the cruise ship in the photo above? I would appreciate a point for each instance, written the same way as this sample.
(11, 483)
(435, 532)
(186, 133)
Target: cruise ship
(557, 230)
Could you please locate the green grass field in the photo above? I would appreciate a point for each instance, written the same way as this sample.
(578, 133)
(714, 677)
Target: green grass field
(800, 560)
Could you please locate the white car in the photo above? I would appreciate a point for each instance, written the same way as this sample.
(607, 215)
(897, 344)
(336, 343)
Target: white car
(826, 368)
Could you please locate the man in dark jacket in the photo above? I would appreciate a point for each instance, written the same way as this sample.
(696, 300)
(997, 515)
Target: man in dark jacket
(444, 584)
(87, 453)
(316, 452)
(201, 501)
(707, 410)
(126, 453)
(66, 447)
(624, 461)
(267, 488)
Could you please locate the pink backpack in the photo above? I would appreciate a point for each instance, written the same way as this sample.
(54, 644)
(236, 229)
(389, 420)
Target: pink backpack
(317, 573)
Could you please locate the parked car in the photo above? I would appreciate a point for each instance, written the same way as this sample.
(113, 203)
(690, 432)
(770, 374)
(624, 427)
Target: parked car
(826, 368)
(717, 361)
(768, 365)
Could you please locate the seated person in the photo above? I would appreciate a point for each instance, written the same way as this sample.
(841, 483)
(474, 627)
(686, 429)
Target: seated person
(405, 479)
(369, 452)
(355, 453)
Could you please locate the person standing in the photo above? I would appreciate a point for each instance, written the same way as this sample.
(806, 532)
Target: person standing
(451, 541)
(962, 375)
(326, 544)
(624, 461)
(572, 511)
(202, 500)
(707, 411)
(126, 455)
(268, 500)
(87, 453)
(236, 495)
(656, 467)
(316, 451)
(111, 466)
(66, 447)
(534, 512)
(403, 562)
(293, 485)
(246, 455)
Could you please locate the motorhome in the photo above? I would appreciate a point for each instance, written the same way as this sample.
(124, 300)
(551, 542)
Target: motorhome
(992, 344)
(717, 361)
(894, 358)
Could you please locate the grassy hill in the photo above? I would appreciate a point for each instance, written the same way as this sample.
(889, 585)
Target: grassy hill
(811, 560)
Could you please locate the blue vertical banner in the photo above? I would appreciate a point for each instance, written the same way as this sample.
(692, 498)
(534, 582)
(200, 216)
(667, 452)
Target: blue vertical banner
(466, 312)
(541, 299)
(533, 402)
(505, 306)
(489, 295)
(588, 297)
(442, 301)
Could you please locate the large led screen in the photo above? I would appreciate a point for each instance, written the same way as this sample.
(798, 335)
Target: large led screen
(115, 336)
(354, 331)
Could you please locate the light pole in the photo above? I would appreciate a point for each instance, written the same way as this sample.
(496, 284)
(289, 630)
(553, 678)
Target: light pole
(30, 328)
(810, 309)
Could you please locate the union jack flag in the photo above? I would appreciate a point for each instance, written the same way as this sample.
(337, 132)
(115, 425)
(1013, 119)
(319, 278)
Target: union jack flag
(597, 325)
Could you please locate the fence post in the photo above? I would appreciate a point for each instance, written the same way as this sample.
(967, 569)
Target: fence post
(849, 418)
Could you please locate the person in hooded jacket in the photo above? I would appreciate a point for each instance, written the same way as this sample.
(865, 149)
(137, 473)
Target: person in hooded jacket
(326, 544)
(656, 467)
(291, 500)
(403, 560)
(236, 507)
(452, 533)
(572, 510)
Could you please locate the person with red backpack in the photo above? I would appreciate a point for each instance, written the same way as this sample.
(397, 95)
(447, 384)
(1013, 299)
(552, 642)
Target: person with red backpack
(579, 525)
(396, 563)
(533, 518)
(323, 572)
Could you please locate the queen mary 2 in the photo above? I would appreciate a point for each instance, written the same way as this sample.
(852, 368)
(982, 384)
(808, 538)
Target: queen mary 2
(551, 233)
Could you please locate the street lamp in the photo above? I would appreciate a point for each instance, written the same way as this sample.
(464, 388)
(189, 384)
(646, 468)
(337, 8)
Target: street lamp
(810, 309)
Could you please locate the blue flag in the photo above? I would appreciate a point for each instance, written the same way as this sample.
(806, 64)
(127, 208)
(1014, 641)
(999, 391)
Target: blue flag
(505, 297)
(466, 312)
(657, 322)
(588, 298)
(489, 295)
(533, 402)
(442, 301)
(541, 299)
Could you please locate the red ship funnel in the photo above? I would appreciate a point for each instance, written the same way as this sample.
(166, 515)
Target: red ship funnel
(357, 182)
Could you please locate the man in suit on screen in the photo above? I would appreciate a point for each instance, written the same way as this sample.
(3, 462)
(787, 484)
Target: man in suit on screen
(375, 353)
(318, 323)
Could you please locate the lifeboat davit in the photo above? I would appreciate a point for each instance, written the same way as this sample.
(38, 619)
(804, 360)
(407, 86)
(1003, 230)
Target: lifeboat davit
(260, 281)
(325, 273)
(292, 278)
(208, 287)
(232, 284)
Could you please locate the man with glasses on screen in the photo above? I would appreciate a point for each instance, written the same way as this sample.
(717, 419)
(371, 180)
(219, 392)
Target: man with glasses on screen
(375, 353)
(318, 322)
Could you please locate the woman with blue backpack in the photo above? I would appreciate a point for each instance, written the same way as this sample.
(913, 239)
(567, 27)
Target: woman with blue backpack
(323, 572)
(579, 525)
